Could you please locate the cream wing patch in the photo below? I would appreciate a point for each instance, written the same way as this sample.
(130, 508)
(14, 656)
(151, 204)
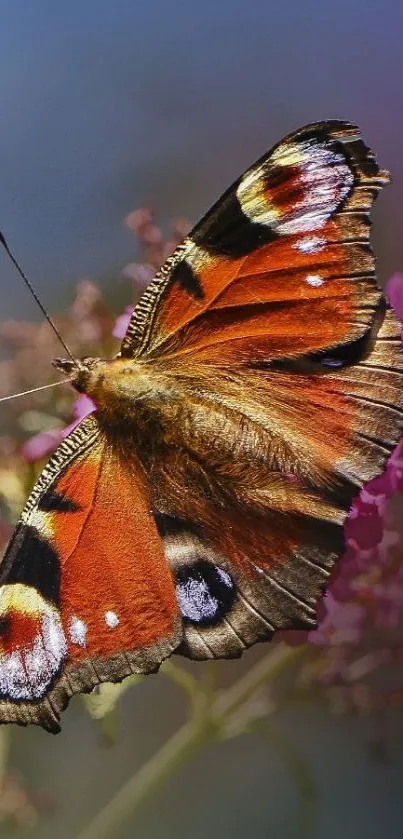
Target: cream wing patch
(324, 179)
(32, 643)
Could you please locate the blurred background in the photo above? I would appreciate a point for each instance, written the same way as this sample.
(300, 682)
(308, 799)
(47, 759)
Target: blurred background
(107, 107)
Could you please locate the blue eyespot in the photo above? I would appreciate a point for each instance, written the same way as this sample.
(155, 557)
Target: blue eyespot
(205, 592)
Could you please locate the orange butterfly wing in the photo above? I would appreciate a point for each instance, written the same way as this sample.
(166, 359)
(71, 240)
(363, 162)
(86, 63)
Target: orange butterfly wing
(285, 248)
(279, 278)
(270, 316)
(258, 385)
(86, 595)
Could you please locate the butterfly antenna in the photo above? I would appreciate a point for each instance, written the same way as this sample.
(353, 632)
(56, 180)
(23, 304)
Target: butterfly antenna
(34, 390)
(36, 298)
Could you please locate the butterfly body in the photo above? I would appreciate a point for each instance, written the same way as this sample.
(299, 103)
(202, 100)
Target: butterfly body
(200, 508)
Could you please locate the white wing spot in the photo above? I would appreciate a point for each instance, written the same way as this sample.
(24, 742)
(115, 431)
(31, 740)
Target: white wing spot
(224, 576)
(78, 631)
(314, 280)
(111, 619)
(312, 244)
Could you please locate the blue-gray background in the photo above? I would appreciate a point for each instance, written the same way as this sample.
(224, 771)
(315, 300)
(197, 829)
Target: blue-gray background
(105, 106)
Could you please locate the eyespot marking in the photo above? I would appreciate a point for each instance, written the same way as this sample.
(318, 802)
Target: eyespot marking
(205, 592)
(32, 643)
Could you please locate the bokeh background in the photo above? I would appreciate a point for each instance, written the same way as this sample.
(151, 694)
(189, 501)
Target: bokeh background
(109, 106)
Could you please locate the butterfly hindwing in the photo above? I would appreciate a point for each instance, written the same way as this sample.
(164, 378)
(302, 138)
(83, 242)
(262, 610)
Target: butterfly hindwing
(84, 580)
(230, 594)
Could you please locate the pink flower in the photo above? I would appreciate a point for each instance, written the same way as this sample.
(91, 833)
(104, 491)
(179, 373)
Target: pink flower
(83, 406)
(394, 470)
(41, 445)
(122, 323)
(139, 220)
(44, 443)
(394, 291)
(342, 623)
(364, 527)
(141, 273)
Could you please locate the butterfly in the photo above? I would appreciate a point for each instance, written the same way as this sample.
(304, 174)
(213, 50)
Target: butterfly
(201, 507)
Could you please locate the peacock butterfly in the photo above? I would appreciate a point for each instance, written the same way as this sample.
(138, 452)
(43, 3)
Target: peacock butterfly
(201, 508)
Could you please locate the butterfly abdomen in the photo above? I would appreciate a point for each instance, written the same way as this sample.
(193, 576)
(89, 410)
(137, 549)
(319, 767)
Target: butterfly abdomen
(121, 389)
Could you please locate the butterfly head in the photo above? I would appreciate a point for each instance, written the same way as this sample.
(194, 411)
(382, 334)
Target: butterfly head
(80, 370)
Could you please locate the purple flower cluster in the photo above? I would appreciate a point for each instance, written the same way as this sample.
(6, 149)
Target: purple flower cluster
(361, 617)
(367, 589)
(45, 442)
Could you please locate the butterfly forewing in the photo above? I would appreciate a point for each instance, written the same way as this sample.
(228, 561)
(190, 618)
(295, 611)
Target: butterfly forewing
(282, 244)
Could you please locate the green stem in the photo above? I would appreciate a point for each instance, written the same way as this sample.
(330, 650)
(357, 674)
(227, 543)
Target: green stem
(300, 772)
(184, 744)
(176, 751)
(185, 681)
(264, 671)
